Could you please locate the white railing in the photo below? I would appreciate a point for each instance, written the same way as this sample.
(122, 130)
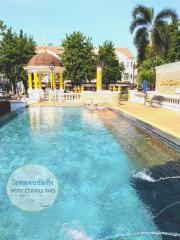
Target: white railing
(167, 101)
(171, 102)
(68, 97)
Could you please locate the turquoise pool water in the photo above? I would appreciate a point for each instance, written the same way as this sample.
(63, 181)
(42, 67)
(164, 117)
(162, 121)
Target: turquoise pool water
(96, 198)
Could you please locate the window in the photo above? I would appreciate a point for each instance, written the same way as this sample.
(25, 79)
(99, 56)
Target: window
(126, 76)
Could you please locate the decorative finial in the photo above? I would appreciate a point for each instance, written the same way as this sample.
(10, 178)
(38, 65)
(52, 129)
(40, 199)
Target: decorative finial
(44, 45)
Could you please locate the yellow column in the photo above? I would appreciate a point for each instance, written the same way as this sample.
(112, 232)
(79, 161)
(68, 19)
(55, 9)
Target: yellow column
(40, 80)
(35, 81)
(51, 80)
(114, 88)
(54, 82)
(99, 79)
(29, 80)
(61, 84)
(82, 88)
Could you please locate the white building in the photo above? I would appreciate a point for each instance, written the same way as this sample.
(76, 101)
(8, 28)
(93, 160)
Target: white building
(125, 56)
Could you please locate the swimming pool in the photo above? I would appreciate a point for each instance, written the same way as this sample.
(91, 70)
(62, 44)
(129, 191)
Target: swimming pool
(99, 161)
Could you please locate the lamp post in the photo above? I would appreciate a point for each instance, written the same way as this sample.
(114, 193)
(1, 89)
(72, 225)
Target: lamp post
(52, 67)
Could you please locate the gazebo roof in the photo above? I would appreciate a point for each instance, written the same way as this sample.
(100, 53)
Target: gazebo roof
(43, 59)
(41, 62)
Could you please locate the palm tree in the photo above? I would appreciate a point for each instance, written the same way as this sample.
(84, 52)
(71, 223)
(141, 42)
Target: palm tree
(150, 28)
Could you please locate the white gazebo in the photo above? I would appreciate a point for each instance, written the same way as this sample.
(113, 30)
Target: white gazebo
(45, 75)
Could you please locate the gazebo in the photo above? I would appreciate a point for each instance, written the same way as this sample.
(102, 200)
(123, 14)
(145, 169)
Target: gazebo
(44, 70)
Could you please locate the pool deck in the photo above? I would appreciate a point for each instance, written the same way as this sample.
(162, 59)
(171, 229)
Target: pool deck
(164, 122)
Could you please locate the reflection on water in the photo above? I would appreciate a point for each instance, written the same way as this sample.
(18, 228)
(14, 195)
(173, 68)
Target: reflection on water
(89, 117)
(41, 116)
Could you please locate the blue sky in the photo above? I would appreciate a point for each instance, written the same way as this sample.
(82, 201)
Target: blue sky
(100, 19)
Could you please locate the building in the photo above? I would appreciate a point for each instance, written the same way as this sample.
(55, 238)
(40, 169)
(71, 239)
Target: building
(125, 56)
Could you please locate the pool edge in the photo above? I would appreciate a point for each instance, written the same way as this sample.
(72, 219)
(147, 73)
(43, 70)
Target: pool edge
(162, 136)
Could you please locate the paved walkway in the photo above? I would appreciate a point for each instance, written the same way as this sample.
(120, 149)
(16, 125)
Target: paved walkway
(166, 120)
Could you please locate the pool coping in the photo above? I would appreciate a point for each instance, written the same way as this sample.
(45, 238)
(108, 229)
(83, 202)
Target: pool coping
(162, 136)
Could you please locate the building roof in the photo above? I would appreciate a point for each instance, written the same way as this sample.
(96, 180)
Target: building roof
(51, 48)
(57, 50)
(125, 51)
(43, 59)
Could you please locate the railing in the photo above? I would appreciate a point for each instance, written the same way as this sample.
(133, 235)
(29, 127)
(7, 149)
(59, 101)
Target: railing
(156, 99)
(68, 97)
(171, 103)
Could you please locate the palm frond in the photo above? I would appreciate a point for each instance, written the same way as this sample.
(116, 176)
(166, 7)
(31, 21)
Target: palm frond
(137, 23)
(158, 39)
(141, 42)
(166, 13)
(161, 38)
(143, 12)
(141, 35)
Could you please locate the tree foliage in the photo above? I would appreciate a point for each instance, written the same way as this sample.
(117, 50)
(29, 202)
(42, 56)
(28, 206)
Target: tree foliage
(15, 51)
(151, 30)
(78, 58)
(112, 69)
(147, 71)
(174, 46)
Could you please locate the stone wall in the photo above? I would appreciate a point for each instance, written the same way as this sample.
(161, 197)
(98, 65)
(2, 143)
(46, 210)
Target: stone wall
(15, 105)
(140, 97)
(168, 78)
(107, 98)
(4, 107)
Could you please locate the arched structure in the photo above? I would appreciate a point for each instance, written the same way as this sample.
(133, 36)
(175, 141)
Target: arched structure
(43, 71)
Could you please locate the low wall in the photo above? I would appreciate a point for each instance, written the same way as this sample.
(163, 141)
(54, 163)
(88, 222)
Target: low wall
(168, 78)
(85, 97)
(101, 98)
(140, 97)
(135, 96)
(36, 95)
(4, 107)
(169, 101)
(15, 105)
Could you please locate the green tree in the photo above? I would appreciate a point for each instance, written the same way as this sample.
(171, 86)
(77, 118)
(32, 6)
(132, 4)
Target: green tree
(149, 35)
(174, 48)
(147, 72)
(2, 27)
(112, 69)
(15, 51)
(78, 58)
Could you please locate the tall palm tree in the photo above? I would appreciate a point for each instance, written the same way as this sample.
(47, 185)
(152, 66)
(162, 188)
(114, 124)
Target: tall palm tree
(149, 28)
